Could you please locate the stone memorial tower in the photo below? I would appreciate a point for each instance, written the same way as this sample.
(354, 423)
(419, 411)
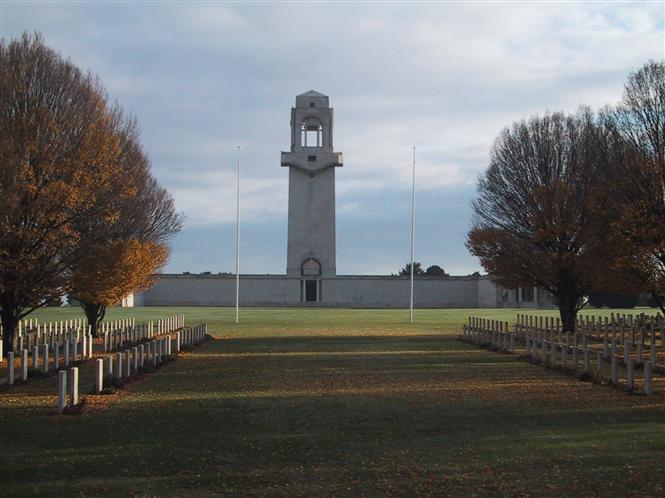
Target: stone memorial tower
(310, 266)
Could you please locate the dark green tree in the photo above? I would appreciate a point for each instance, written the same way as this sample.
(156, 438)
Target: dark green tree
(417, 269)
(435, 271)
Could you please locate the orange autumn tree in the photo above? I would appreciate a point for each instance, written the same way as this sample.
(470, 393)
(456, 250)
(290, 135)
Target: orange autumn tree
(131, 246)
(532, 216)
(107, 274)
(58, 176)
(635, 177)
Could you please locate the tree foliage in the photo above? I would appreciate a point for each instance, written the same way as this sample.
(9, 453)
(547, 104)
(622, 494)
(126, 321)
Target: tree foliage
(417, 269)
(598, 299)
(576, 204)
(58, 174)
(532, 215)
(66, 179)
(435, 271)
(104, 276)
(145, 219)
(635, 181)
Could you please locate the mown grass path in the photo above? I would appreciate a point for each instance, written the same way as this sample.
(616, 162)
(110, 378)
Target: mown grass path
(389, 411)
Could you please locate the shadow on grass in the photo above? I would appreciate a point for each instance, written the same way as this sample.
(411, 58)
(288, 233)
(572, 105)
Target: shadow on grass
(346, 415)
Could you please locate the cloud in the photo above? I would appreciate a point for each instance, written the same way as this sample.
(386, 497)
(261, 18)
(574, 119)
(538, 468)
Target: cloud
(203, 78)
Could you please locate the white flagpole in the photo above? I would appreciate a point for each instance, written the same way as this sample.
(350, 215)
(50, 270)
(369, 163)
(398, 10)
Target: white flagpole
(238, 238)
(413, 228)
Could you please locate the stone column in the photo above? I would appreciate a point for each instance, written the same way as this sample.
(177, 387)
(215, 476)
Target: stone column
(605, 345)
(630, 374)
(141, 355)
(135, 355)
(62, 390)
(66, 353)
(117, 370)
(648, 377)
(10, 368)
(35, 357)
(73, 386)
(99, 376)
(128, 364)
(45, 358)
(108, 363)
(153, 352)
(554, 354)
(24, 365)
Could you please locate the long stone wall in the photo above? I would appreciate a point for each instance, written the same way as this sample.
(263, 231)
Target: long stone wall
(215, 290)
(394, 292)
(361, 291)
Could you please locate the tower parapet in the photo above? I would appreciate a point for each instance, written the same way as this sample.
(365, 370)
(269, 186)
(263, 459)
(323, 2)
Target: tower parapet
(312, 135)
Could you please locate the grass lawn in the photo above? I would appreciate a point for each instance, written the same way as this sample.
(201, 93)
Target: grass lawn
(312, 402)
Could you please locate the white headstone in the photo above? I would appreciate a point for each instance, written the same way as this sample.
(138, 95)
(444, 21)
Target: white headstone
(10, 368)
(45, 357)
(24, 365)
(99, 376)
(73, 386)
(62, 390)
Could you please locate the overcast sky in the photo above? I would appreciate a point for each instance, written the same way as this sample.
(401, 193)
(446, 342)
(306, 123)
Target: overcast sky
(204, 77)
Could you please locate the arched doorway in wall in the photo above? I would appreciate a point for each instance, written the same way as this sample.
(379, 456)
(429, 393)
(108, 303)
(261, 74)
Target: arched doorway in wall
(310, 285)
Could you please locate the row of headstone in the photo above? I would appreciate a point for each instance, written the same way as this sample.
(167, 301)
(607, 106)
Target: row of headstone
(30, 325)
(644, 329)
(192, 335)
(114, 339)
(567, 356)
(45, 358)
(170, 324)
(494, 333)
(542, 344)
(116, 324)
(46, 333)
(31, 332)
(124, 363)
(115, 335)
(115, 332)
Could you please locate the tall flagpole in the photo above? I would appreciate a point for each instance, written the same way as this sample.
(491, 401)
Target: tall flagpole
(413, 228)
(238, 238)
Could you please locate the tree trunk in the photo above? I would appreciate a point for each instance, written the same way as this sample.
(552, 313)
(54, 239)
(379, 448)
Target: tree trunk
(568, 309)
(95, 314)
(10, 317)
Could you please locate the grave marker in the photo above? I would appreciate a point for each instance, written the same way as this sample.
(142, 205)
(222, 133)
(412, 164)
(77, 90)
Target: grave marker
(73, 386)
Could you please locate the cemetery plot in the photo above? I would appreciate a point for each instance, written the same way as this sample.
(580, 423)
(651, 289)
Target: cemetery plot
(625, 351)
(111, 371)
(45, 348)
(363, 403)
